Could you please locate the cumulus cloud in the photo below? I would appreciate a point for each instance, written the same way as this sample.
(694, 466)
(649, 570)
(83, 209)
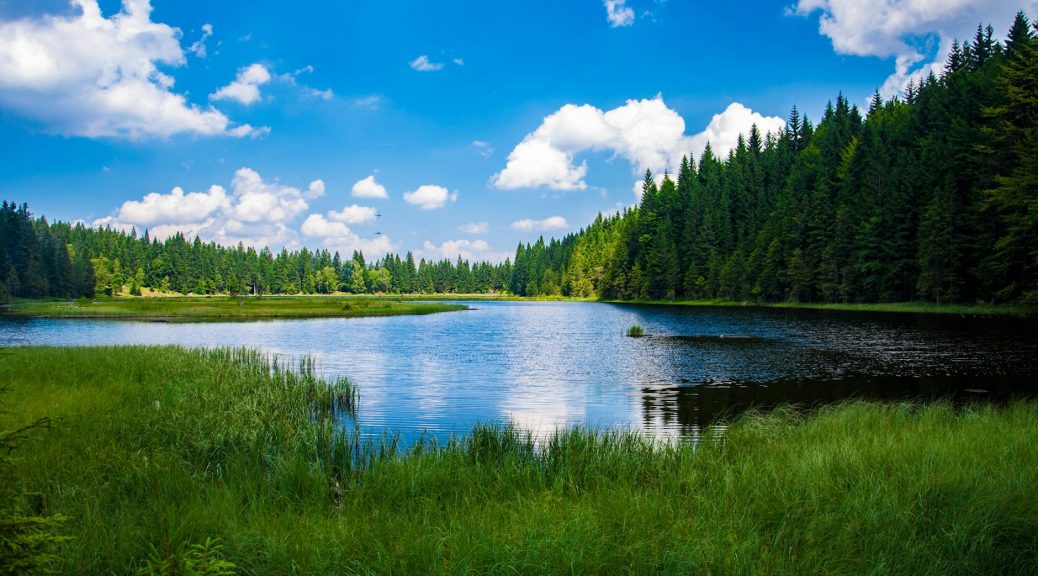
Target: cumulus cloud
(256, 212)
(548, 224)
(198, 47)
(368, 188)
(647, 133)
(337, 237)
(430, 197)
(725, 128)
(86, 75)
(475, 228)
(472, 250)
(245, 87)
(175, 207)
(256, 200)
(423, 64)
(354, 214)
(315, 190)
(316, 225)
(898, 28)
(618, 14)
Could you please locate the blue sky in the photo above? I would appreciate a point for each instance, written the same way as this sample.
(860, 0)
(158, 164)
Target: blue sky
(485, 123)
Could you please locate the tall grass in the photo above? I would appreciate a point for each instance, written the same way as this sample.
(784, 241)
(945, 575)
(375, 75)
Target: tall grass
(162, 448)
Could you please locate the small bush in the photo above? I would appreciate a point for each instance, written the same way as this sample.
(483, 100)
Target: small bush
(636, 331)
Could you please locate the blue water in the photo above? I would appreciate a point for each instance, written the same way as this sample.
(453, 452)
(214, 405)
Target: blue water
(543, 365)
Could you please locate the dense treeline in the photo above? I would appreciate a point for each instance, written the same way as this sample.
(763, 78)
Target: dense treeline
(933, 196)
(38, 259)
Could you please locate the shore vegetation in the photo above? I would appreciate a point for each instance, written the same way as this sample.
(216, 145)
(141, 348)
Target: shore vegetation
(228, 458)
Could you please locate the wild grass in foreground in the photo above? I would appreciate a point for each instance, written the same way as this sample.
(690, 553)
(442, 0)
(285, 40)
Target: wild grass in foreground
(221, 307)
(155, 450)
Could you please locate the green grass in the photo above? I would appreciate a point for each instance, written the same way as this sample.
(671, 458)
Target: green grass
(890, 307)
(222, 307)
(160, 448)
(636, 331)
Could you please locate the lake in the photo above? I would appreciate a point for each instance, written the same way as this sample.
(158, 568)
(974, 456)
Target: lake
(547, 364)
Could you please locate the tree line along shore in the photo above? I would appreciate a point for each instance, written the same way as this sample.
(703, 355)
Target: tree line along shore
(927, 197)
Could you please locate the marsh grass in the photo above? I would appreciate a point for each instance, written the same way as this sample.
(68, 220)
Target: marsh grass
(636, 331)
(164, 448)
(222, 307)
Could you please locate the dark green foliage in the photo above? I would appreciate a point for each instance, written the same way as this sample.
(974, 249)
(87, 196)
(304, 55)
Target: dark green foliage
(931, 197)
(28, 534)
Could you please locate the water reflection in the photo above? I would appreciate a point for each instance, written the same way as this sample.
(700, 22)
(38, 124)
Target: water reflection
(543, 365)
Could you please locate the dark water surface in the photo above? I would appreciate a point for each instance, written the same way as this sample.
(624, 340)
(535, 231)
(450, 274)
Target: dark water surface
(542, 365)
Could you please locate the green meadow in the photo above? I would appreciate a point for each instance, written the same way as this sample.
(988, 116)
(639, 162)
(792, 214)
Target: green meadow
(164, 460)
(224, 307)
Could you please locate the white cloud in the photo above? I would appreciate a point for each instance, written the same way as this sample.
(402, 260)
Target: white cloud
(316, 225)
(368, 188)
(484, 148)
(618, 14)
(475, 228)
(337, 237)
(86, 75)
(422, 64)
(175, 207)
(315, 190)
(257, 213)
(430, 197)
(472, 250)
(897, 28)
(354, 214)
(548, 224)
(725, 128)
(198, 47)
(256, 200)
(459, 62)
(245, 88)
(645, 132)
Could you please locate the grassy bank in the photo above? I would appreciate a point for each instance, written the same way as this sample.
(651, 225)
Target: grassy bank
(154, 449)
(223, 307)
(888, 307)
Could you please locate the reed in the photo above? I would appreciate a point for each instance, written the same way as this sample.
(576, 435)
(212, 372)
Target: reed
(636, 331)
(162, 448)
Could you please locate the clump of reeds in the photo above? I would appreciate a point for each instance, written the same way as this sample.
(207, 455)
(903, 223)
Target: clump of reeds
(636, 331)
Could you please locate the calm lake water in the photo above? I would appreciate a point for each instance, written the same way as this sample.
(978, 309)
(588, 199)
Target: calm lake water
(543, 365)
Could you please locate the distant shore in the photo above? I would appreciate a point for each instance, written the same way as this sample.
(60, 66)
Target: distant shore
(885, 307)
(157, 306)
(223, 307)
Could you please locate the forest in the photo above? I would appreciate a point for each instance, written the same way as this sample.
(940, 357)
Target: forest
(930, 196)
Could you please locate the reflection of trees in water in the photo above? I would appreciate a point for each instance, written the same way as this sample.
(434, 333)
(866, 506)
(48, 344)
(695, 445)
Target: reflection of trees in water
(689, 383)
(689, 410)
